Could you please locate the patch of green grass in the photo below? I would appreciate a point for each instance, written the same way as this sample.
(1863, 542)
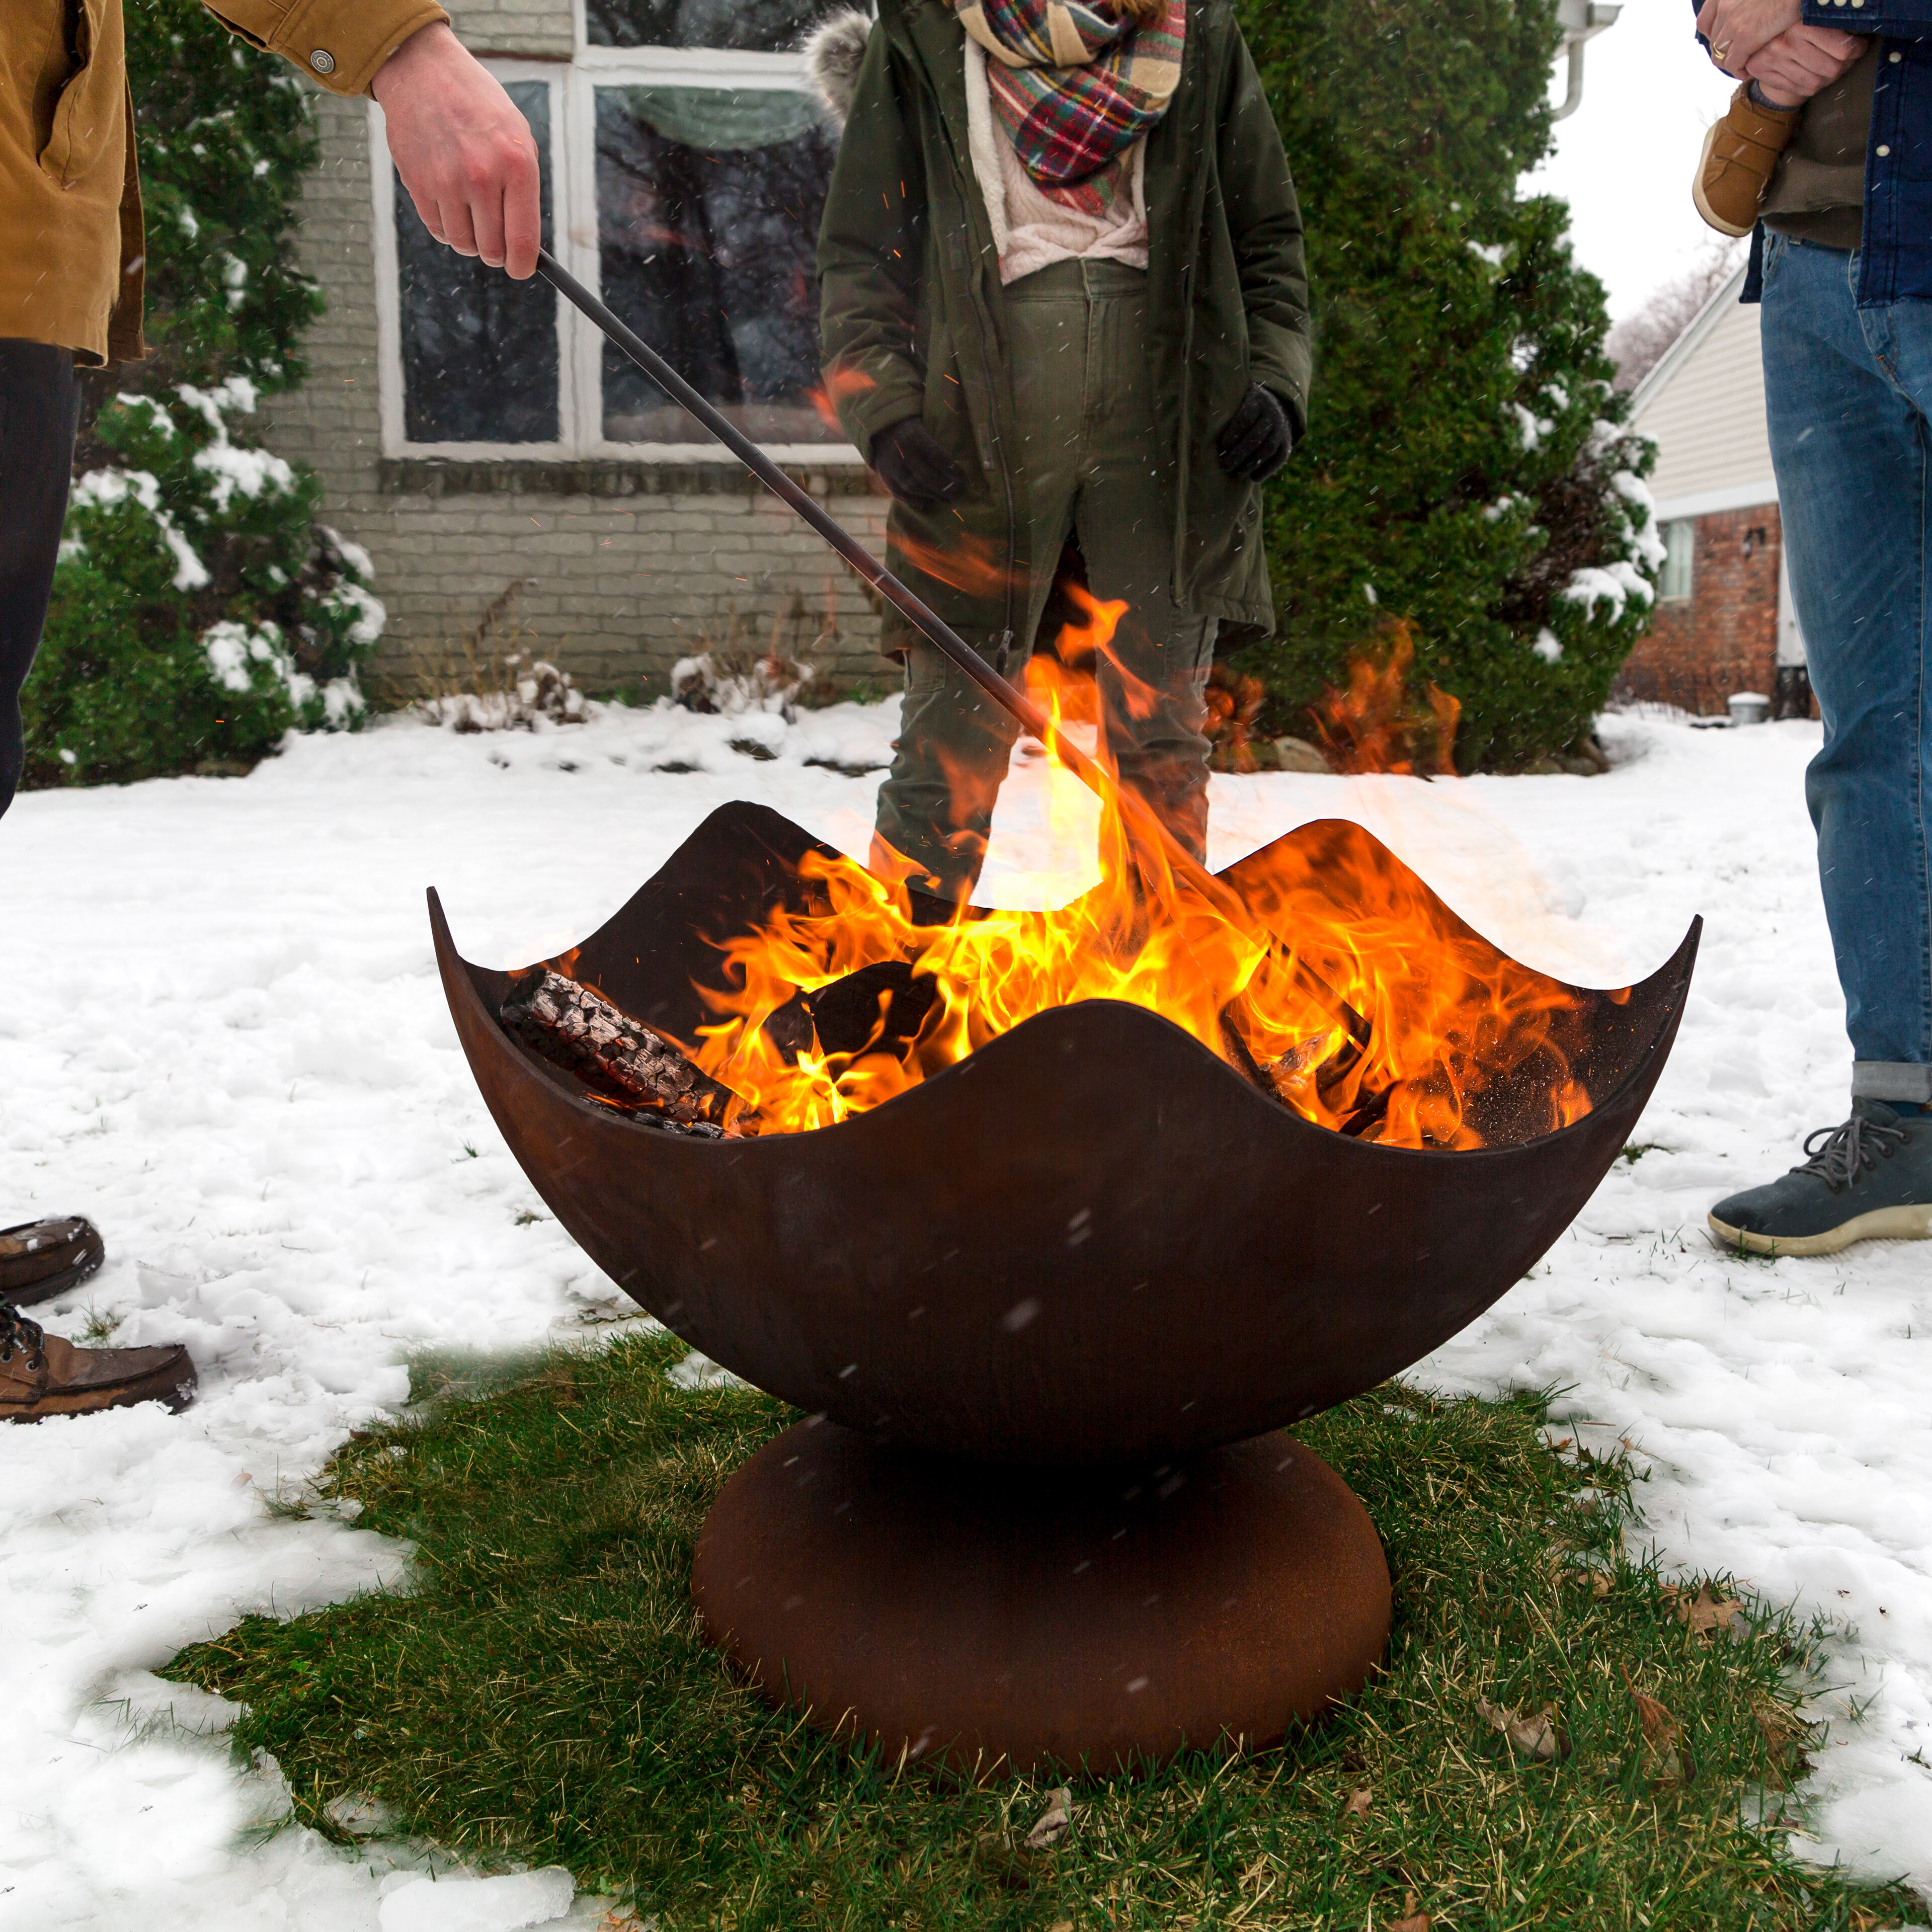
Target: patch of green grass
(543, 1695)
(99, 1326)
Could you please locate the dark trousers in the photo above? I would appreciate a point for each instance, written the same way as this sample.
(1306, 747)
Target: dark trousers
(1088, 467)
(39, 407)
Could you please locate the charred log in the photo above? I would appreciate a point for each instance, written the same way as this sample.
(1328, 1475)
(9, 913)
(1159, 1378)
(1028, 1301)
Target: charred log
(1360, 1111)
(1242, 1059)
(879, 1009)
(621, 1061)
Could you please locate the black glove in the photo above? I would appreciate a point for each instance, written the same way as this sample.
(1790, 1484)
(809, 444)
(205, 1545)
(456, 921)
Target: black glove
(1257, 440)
(913, 464)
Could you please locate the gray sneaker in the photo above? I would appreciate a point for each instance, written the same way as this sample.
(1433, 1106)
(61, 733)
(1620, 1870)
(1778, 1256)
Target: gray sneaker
(1869, 1179)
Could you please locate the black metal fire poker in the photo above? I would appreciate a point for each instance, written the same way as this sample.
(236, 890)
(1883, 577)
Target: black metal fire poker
(934, 627)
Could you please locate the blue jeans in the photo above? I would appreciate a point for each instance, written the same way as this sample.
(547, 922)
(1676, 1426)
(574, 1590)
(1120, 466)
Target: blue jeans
(1848, 392)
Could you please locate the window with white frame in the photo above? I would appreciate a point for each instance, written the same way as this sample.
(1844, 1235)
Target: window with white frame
(1680, 543)
(684, 164)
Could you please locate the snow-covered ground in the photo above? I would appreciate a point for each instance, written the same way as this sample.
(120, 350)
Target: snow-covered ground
(223, 1037)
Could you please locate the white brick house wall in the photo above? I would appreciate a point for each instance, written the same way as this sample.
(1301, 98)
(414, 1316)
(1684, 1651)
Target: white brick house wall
(626, 566)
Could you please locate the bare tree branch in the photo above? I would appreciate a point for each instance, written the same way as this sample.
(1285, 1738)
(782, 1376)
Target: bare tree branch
(1638, 343)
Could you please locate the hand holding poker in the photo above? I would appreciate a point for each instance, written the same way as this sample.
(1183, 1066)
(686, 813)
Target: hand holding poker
(464, 151)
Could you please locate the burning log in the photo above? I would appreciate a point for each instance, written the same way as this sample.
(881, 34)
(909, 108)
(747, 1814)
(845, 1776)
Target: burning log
(1240, 1057)
(620, 1059)
(1357, 1110)
(878, 1009)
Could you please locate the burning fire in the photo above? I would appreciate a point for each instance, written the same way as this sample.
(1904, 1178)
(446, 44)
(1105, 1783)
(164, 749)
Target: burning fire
(1376, 726)
(1332, 977)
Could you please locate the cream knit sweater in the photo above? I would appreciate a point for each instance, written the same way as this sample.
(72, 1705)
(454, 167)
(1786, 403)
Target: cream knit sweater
(1030, 228)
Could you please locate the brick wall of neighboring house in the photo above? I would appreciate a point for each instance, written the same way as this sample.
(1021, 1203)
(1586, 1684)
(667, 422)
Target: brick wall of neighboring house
(624, 567)
(1723, 637)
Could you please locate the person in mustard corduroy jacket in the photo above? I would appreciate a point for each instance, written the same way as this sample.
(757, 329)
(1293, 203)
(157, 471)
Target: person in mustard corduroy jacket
(71, 254)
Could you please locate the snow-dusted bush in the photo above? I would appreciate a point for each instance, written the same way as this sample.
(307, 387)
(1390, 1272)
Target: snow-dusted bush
(198, 610)
(525, 691)
(1468, 470)
(731, 682)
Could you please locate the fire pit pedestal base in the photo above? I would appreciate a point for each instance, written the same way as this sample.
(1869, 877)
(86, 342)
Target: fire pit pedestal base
(999, 1618)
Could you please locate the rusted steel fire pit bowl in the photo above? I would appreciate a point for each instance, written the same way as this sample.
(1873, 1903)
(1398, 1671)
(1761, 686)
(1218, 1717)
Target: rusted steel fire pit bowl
(1046, 1310)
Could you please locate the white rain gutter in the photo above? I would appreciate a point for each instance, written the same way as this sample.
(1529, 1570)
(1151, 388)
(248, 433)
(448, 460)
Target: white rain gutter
(1582, 21)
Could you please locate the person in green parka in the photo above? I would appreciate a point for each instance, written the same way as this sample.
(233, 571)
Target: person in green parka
(1065, 319)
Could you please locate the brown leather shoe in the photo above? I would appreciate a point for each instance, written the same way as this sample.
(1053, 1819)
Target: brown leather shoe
(39, 1258)
(1740, 152)
(42, 1375)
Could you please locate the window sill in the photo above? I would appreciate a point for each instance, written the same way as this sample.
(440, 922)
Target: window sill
(605, 476)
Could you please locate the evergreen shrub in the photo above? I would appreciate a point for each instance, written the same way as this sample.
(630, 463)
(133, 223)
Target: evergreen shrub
(200, 611)
(1468, 479)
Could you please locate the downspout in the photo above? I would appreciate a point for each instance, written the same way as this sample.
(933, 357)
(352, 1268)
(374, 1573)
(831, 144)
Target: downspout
(1582, 21)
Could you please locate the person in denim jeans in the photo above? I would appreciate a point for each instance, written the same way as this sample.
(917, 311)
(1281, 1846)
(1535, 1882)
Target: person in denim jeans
(1841, 262)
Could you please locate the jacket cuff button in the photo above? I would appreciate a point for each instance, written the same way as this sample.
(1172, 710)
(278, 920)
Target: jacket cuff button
(323, 61)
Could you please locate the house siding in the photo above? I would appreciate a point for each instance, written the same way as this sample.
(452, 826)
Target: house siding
(539, 29)
(621, 568)
(1704, 408)
(1708, 419)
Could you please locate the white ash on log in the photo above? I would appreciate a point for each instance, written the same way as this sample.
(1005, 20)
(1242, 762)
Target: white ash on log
(620, 1059)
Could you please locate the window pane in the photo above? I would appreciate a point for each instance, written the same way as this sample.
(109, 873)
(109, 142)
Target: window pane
(479, 351)
(1679, 545)
(708, 201)
(770, 26)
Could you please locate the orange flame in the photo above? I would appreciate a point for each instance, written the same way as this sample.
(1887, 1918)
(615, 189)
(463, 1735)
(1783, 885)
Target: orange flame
(1234, 701)
(973, 564)
(1333, 977)
(1091, 636)
(839, 383)
(1375, 726)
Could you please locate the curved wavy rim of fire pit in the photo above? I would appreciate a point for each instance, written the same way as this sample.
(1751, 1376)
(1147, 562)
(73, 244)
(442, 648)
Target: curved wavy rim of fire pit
(1091, 1241)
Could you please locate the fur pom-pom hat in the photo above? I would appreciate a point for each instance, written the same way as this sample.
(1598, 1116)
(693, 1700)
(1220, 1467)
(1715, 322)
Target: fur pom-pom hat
(832, 52)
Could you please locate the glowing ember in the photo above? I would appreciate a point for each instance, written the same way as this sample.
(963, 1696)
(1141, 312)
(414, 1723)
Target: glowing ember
(1332, 976)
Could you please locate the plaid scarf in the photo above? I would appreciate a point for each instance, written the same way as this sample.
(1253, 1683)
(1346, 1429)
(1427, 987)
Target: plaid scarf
(1073, 86)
